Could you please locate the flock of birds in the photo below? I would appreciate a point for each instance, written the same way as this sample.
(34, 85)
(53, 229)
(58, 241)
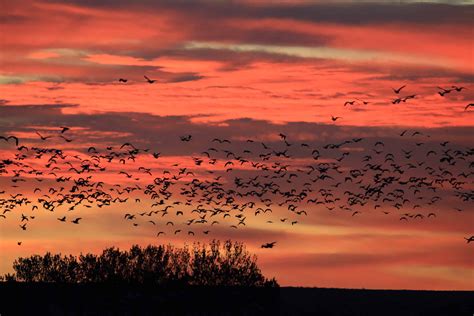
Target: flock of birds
(441, 91)
(231, 181)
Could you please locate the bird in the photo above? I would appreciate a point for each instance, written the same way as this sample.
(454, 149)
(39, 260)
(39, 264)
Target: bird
(10, 137)
(468, 106)
(443, 91)
(64, 129)
(123, 80)
(66, 139)
(408, 97)
(458, 89)
(363, 101)
(76, 221)
(150, 81)
(397, 91)
(469, 239)
(62, 219)
(43, 137)
(268, 245)
(186, 138)
(335, 118)
(397, 101)
(349, 102)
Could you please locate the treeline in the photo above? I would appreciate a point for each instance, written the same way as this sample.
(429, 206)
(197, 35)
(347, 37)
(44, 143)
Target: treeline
(213, 264)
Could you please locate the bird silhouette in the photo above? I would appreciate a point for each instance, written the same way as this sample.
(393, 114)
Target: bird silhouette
(76, 221)
(66, 139)
(186, 138)
(10, 137)
(64, 129)
(363, 101)
(458, 89)
(443, 91)
(268, 245)
(43, 137)
(397, 91)
(150, 81)
(349, 102)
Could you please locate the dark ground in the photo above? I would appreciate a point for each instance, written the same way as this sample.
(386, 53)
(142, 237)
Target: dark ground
(61, 299)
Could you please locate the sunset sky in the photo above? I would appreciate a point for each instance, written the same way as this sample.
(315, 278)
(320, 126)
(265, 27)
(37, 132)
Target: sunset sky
(246, 69)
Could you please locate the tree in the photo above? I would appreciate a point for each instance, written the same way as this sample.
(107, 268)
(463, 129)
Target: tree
(213, 264)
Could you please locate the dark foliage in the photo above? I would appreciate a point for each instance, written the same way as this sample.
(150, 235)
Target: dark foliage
(213, 264)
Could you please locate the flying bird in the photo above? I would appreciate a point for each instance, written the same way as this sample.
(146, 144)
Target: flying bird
(76, 221)
(66, 139)
(397, 91)
(10, 137)
(458, 89)
(186, 138)
(443, 91)
(43, 137)
(349, 102)
(64, 129)
(269, 245)
(363, 101)
(468, 240)
(150, 81)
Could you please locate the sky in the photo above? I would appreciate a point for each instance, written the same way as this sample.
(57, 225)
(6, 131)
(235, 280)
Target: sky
(243, 70)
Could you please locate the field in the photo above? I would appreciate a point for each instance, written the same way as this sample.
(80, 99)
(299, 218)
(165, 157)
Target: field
(62, 299)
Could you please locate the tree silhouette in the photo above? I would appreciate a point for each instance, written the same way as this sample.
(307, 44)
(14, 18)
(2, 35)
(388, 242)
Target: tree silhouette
(213, 264)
